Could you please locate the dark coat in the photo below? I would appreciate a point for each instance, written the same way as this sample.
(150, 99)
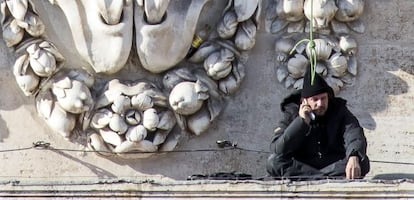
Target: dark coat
(326, 140)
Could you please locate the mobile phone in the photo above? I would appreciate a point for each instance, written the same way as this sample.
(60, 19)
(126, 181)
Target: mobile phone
(311, 115)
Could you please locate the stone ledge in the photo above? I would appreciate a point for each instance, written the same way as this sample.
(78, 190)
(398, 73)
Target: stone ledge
(209, 189)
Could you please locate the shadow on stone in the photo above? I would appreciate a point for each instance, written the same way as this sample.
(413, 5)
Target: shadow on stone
(4, 131)
(100, 172)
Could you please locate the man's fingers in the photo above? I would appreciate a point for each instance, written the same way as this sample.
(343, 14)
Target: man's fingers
(357, 172)
(305, 101)
(353, 173)
(348, 172)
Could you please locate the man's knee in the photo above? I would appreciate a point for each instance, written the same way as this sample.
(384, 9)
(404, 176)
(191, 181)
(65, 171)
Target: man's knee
(276, 164)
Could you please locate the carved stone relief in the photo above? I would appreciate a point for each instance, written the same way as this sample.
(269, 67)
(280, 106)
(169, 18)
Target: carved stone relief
(335, 49)
(119, 117)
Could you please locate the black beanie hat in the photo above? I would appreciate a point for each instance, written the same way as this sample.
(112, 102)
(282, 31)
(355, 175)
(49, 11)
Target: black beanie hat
(319, 86)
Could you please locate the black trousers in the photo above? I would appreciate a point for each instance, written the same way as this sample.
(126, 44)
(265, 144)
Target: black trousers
(279, 166)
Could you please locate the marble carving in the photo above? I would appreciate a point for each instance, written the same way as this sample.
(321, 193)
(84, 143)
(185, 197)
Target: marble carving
(335, 48)
(130, 118)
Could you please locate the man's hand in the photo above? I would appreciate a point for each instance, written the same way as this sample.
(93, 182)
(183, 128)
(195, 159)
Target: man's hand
(304, 110)
(353, 169)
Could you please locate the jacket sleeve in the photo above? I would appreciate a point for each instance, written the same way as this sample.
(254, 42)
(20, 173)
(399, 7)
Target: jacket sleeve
(291, 138)
(354, 138)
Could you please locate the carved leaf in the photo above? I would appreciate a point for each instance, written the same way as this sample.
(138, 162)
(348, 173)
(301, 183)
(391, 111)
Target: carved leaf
(278, 24)
(245, 9)
(296, 27)
(18, 8)
(357, 26)
(12, 33)
(339, 27)
(352, 65)
(298, 84)
(111, 11)
(282, 73)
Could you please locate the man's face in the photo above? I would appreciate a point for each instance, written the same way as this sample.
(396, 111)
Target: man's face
(318, 103)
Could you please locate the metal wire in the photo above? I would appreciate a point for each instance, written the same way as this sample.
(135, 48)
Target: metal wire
(224, 145)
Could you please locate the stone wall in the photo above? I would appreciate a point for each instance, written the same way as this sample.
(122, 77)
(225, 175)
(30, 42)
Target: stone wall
(381, 97)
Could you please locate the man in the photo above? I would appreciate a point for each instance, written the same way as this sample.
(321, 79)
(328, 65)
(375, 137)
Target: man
(318, 136)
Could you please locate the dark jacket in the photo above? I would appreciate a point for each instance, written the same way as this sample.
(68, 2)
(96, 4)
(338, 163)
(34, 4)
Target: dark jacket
(328, 139)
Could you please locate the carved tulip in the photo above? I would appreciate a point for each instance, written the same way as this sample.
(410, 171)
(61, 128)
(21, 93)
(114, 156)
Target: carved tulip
(246, 35)
(204, 51)
(218, 64)
(72, 95)
(33, 25)
(42, 61)
(231, 83)
(228, 25)
(25, 77)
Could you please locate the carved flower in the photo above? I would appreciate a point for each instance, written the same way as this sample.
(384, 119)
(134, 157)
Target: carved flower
(43, 58)
(246, 35)
(187, 97)
(12, 33)
(72, 95)
(228, 26)
(25, 77)
(337, 65)
(349, 10)
(297, 65)
(323, 12)
(322, 49)
(291, 10)
(218, 64)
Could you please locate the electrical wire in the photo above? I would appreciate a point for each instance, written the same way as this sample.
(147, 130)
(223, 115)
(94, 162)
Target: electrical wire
(224, 145)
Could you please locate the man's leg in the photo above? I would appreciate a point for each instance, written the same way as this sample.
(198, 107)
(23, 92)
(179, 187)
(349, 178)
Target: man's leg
(279, 166)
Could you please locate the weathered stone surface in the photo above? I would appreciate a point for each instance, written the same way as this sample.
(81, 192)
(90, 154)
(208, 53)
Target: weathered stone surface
(381, 96)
